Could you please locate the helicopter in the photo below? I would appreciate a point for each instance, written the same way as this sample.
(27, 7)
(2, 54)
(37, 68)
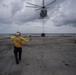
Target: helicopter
(43, 8)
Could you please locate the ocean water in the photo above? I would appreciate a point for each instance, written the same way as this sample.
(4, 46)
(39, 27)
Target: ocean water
(39, 34)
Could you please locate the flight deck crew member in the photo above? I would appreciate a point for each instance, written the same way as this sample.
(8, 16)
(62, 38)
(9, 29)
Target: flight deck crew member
(18, 45)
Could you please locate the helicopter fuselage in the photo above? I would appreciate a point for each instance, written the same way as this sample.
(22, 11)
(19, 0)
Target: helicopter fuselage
(43, 12)
(42, 8)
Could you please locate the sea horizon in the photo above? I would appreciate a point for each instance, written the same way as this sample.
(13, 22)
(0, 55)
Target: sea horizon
(39, 34)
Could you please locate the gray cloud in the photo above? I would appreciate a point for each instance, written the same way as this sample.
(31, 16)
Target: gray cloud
(1, 1)
(14, 14)
(66, 16)
(16, 6)
(19, 13)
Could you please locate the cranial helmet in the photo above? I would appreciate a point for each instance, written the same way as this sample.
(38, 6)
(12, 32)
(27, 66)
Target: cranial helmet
(18, 34)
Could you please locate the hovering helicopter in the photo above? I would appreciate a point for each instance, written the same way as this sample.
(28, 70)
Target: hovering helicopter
(43, 8)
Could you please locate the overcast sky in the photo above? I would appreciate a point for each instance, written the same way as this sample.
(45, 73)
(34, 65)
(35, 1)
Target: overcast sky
(15, 16)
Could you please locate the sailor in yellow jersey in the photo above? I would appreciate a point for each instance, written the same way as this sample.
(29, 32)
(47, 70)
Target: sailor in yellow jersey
(18, 45)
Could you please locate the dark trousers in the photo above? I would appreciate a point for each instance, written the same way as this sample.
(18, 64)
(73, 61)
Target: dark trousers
(17, 53)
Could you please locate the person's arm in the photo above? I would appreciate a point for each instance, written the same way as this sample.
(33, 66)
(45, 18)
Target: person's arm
(25, 39)
(12, 37)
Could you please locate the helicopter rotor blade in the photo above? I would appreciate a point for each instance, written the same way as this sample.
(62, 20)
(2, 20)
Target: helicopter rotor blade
(51, 3)
(32, 7)
(33, 4)
(37, 9)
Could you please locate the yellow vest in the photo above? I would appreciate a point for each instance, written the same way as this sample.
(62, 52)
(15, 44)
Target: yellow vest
(18, 40)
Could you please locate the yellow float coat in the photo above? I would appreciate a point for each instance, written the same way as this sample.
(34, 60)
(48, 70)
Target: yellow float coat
(18, 40)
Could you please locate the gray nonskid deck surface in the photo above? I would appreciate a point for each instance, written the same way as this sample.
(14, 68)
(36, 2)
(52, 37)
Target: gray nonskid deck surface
(40, 56)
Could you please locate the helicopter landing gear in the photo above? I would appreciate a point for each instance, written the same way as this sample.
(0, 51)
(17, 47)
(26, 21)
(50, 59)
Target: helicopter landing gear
(43, 17)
